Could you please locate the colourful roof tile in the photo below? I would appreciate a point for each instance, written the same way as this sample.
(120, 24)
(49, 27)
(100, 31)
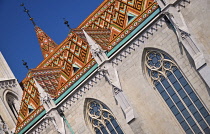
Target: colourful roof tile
(111, 22)
(47, 45)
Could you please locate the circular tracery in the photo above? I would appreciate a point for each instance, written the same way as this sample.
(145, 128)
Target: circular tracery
(157, 64)
(94, 109)
(154, 60)
(101, 118)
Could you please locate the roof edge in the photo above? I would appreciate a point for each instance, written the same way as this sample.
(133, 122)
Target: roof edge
(92, 14)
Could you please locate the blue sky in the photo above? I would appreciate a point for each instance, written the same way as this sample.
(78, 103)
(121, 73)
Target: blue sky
(18, 40)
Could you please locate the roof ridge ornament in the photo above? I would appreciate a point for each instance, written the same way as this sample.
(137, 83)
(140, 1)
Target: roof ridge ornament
(67, 24)
(56, 115)
(27, 11)
(25, 64)
(44, 96)
(96, 50)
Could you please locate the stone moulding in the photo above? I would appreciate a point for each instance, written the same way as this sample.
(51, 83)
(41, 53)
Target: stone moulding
(8, 84)
(36, 115)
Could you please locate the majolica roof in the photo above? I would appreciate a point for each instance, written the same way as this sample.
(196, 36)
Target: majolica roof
(101, 36)
(47, 45)
(64, 64)
(51, 79)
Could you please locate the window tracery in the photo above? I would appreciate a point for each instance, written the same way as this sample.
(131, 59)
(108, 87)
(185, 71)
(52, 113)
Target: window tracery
(178, 94)
(101, 119)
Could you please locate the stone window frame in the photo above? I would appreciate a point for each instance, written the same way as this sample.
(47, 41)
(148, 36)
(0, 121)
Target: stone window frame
(100, 119)
(166, 77)
(9, 98)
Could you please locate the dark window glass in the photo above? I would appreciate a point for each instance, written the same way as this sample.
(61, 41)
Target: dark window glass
(119, 130)
(193, 96)
(165, 83)
(208, 119)
(170, 103)
(196, 129)
(97, 131)
(198, 104)
(159, 87)
(178, 74)
(174, 110)
(149, 72)
(179, 118)
(207, 131)
(182, 93)
(175, 98)
(203, 124)
(187, 101)
(183, 81)
(102, 119)
(204, 112)
(115, 124)
(177, 86)
(188, 89)
(179, 96)
(103, 130)
(185, 113)
(190, 121)
(184, 125)
(192, 109)
(164, 95)
(172, 78)
(189, 131)
(197, 116)
(180, 106)
(109, 126)
(170, 91)
(168, 73)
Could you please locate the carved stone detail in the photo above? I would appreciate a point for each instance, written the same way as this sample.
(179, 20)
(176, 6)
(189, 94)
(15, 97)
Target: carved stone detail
(111, 76)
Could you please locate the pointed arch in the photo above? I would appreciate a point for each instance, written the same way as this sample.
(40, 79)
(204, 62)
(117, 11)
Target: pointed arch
(166, 76)
(100, 118)
(12, 102)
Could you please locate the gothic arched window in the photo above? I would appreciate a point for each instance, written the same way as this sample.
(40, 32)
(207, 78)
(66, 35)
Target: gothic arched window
(101, 119)
(177, 92)
(12, 101)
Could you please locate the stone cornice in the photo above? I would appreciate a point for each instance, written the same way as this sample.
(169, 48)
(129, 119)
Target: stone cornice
(8, 84)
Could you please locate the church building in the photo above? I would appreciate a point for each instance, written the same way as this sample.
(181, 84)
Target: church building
(10, 98)
(131, 67)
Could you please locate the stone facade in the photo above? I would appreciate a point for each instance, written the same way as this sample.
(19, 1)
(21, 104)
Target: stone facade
(10, 94)
(178, 31)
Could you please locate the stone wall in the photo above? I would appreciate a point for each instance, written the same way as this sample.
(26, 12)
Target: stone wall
(8, 85)
(101, 91)
(196, 15)
(151, 112)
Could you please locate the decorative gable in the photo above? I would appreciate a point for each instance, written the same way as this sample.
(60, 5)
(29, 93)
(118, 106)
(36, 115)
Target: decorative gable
(30, 105)
(73, 50)
(101, 36)
(51, 79)
(121, 17)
